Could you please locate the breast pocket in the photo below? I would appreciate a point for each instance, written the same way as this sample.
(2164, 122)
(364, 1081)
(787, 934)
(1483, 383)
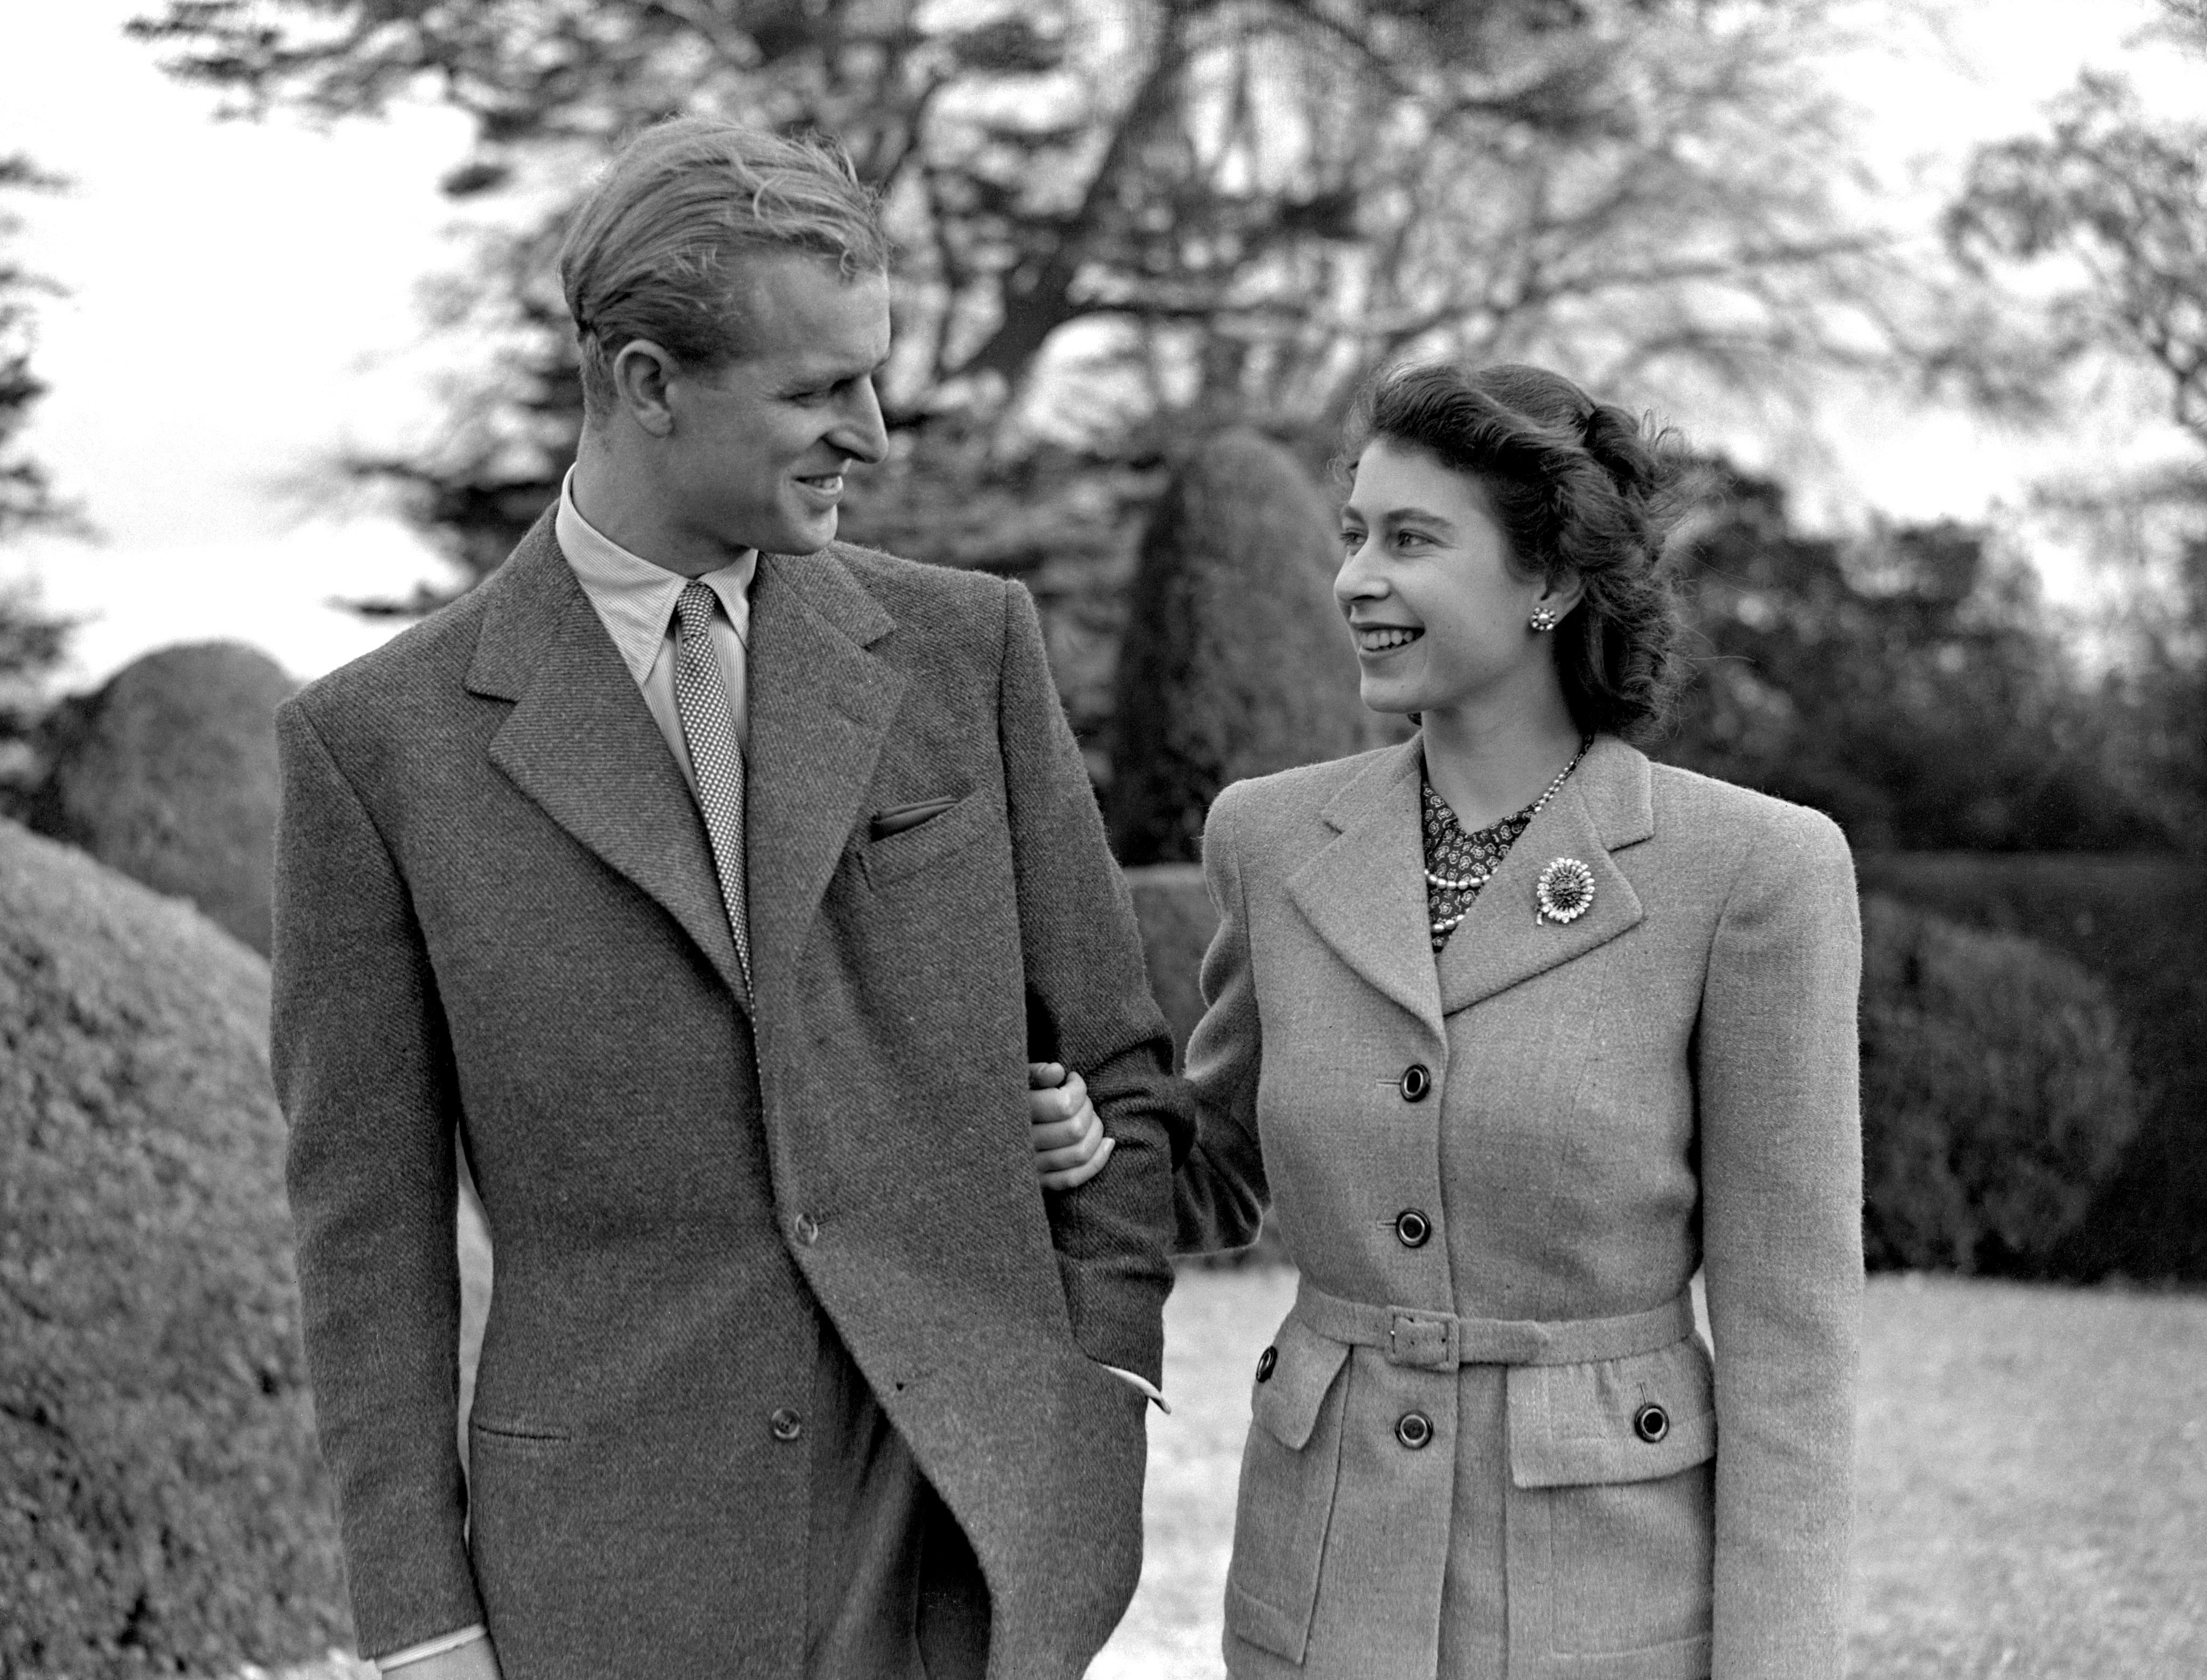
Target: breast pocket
(894, 857)
(1611, 1516)
(1289, 1471)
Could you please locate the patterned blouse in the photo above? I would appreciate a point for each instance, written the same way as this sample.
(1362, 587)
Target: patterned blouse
(1457, 855)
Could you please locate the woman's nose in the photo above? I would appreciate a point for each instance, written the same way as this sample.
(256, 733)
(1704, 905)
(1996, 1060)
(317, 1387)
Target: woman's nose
(1356, 580)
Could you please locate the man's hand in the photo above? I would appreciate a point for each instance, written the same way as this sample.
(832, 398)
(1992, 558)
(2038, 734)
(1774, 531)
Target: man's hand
(1069, 1142)
(475, 1660)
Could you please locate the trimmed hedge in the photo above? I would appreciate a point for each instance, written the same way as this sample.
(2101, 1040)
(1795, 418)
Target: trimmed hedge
(1997, 1095)
(2140, 924)
(168, 774)
(163, 1509)
(1234, 662)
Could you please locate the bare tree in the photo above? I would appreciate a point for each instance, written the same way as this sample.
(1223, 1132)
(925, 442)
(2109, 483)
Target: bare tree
(1245, 204)
(2094, 233)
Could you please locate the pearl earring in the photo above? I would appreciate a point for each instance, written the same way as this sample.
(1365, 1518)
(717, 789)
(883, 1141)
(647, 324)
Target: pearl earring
(1543, 619)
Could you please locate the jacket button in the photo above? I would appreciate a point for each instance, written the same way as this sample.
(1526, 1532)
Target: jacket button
(786, 1425)
(805, 1229)
(1265, 1362)
(1414, 1430)
(1417, 1080)
(1651, 1423)
(1412, 1227)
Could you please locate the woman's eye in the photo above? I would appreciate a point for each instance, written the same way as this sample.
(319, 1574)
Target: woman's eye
(1350, 540)
(1405, 539)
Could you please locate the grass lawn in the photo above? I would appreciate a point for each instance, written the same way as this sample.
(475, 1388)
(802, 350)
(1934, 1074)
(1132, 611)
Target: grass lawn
(2032, 1482)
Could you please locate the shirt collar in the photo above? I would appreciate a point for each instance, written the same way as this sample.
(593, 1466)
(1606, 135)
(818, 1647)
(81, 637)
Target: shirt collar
(634, 597)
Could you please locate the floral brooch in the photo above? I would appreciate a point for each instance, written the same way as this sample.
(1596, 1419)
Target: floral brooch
(1565, 890)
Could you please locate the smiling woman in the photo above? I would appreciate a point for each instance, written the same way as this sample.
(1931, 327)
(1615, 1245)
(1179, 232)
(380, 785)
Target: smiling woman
(1516, 1030)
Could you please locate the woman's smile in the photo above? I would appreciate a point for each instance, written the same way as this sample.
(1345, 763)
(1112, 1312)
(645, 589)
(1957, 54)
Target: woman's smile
(1374, 640)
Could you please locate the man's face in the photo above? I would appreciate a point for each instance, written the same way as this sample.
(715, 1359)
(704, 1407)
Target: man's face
(756, 453)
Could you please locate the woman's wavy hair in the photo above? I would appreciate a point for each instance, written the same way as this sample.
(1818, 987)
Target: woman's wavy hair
(1579, 487)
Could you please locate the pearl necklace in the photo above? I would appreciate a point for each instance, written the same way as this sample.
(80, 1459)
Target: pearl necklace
(1444, 925)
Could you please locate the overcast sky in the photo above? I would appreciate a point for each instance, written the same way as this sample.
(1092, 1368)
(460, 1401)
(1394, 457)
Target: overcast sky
(242, 304)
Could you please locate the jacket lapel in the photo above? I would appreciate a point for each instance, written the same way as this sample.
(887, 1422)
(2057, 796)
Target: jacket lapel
(1365, 892)
(581, 743)
(1607, 804)
(820, 706)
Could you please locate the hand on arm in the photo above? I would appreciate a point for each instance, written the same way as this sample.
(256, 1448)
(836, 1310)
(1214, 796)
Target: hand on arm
(1089, 1007)
(1070, 1144)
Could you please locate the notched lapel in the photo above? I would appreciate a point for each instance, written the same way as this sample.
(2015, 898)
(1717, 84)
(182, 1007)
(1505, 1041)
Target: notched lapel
(581, 744)
(1365, 892)
(1505, 940)
(821, 705)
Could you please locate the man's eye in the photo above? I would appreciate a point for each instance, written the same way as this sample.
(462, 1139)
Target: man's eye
(813, 399)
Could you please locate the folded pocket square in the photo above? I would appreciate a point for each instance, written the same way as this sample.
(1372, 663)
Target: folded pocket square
(897, 818)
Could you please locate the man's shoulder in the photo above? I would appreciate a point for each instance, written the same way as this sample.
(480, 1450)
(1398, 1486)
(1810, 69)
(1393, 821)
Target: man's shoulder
(905, 587)
(424, 662)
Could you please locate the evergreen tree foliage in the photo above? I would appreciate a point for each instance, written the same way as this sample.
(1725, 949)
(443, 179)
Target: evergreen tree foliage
(32, 642)
(1234, 660)
(1912, 683)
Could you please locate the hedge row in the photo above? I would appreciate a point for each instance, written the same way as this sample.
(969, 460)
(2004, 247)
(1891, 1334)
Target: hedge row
(2034, 1049)
(2140, 925)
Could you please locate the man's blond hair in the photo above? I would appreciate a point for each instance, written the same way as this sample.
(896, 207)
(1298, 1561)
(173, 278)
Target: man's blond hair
(656, 251)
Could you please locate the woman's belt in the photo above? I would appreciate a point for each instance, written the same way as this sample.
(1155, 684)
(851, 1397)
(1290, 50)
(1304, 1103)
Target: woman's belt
(1440, 1342)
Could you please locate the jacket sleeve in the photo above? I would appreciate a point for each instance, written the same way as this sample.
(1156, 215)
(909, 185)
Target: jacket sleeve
(364, 1074)
(1220, 1193)
(1777, 1080)
(1089, 1006)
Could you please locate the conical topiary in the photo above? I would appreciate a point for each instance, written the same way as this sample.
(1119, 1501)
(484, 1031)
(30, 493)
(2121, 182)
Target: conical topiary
(1235, 662)
(168, 774)
(163, 1510)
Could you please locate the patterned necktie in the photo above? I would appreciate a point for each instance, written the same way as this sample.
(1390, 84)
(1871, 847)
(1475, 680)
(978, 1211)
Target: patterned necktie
(709, 728)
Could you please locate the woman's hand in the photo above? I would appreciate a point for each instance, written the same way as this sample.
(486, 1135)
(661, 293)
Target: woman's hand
(1069, 1143)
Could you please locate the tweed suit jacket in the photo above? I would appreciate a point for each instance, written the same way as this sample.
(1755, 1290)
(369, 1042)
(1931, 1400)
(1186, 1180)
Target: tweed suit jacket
(496, 914)
(1666, 1083)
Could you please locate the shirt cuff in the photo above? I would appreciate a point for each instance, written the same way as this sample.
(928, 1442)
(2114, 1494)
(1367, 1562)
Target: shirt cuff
(1143, 1383)
(431, 1647)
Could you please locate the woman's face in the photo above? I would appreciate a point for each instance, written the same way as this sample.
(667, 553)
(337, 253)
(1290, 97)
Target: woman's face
(1440, 614)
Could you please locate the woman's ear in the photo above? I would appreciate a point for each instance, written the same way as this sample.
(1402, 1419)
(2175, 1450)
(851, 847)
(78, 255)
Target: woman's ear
(641, 373)
(1562, 591)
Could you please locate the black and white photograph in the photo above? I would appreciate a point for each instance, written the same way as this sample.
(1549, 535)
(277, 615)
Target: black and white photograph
(1103, 840)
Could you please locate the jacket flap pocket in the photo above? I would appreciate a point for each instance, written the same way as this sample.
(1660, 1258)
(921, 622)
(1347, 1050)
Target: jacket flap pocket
(1301, 1369)
(1612, 1421)
(908, 849)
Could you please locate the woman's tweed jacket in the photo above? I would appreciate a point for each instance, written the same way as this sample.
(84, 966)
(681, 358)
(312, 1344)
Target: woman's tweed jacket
(1667, 1082)
(496, 912)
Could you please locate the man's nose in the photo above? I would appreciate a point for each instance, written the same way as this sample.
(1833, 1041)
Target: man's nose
(860, 432)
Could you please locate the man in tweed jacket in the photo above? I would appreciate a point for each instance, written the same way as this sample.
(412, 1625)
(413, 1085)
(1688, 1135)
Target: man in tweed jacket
(713, 881)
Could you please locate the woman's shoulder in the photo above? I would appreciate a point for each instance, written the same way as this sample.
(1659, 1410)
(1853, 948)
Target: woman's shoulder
(1303, 791)
(1715, 817)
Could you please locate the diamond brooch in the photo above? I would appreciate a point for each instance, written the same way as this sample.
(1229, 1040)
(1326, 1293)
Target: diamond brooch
(1565, 891)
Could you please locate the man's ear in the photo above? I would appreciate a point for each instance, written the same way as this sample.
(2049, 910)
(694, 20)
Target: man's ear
(641, 373)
